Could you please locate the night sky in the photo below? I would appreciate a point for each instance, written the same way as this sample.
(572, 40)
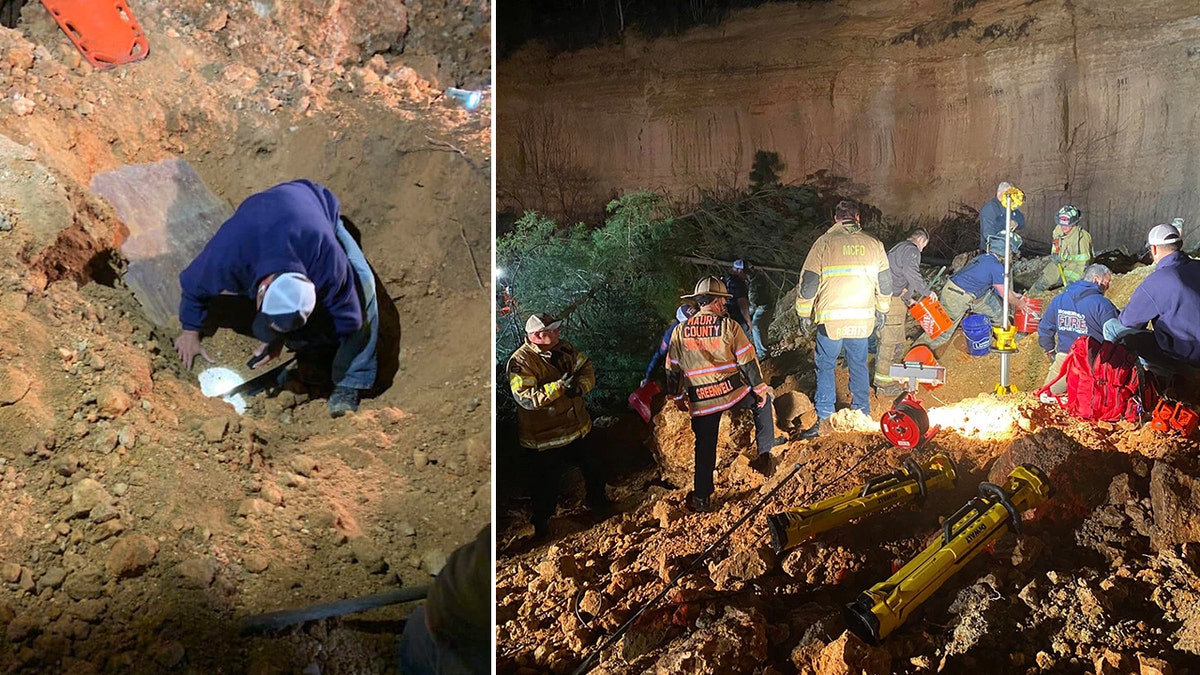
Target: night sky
(572, 24)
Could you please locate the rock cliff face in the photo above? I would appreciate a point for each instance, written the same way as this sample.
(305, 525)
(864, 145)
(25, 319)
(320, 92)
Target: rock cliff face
(922, 104)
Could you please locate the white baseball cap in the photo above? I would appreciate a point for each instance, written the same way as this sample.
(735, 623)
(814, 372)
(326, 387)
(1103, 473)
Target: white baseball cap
(286, 305)
(1163, 235)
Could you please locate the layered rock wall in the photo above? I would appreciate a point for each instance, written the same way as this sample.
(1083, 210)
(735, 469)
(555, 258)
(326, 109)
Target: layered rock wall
(923, 105)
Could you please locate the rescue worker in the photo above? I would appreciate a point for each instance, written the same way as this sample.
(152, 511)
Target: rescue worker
(845, 291)
(1070, 253)
(992, 217)
(739, 288)
(1080, 310)
(978, 288)
(549, 378)
(1169, 300)
(761, 303)
(451, 633)
(908, 288)
(288, 249)
(711, 368)
(682, 314)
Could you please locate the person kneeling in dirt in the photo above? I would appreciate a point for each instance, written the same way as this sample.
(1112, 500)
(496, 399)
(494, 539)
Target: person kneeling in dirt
(977, 288)
(1169, 300)
(1069, 254)
(451, 633)
(549, 378)
(1079, 311)
(711, 361)
(288, 249)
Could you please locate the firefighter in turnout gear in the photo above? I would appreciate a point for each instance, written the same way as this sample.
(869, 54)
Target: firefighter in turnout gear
(711, 368)
(908, 287)
(549, 378)
(845, 291)
(1070, 253)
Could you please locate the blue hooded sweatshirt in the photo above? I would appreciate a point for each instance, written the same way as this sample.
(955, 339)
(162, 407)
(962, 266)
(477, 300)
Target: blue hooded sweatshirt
(1079, 310)
(1169, 299)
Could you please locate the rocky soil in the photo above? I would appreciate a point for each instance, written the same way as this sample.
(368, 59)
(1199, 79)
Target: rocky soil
(1102, 579)
(140, 520)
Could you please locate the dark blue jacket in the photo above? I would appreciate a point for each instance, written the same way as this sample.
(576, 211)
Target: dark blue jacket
(1169, 299)
(662, 349)
(287, 228)
(991, 221)
(738, 289)
(1079, 310)
(980, 275)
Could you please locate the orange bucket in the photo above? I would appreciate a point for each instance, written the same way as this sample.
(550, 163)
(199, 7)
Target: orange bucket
(923, 355)
(1026, 320)
(932, 317)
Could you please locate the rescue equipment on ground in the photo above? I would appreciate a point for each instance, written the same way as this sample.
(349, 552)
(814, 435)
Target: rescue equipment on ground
(1105, 382)
(909, 484)
(1174, 417)
(906, 424)
(885, 606)
(106, 33)
(1026, 319)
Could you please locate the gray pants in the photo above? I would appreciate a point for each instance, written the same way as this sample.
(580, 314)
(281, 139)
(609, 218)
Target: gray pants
(957, 303)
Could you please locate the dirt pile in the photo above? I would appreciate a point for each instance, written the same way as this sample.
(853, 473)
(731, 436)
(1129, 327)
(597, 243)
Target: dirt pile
(141, 519)
(1101, 578)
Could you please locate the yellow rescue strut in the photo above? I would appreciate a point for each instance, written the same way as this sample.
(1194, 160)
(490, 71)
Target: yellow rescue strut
(911, 483)
(1006, 335)
(885, 606)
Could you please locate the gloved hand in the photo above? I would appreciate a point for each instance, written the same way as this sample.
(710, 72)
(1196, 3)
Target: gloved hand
(1051, 355)
(569, 386)
(933, 294)
(806, 325)
(880, 318)
(644, 382)
(1055, 259)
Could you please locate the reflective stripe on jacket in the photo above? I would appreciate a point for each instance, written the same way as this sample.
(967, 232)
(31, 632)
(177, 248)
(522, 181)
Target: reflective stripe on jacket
(855, 282)
(1074, 249)
(547, 416)
(711, 356)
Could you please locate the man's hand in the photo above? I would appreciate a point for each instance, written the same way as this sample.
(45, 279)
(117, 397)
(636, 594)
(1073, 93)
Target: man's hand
(760, 401)
(682, 403)
(1055, 259)
(644, 382)
(1050, 355)
(265, 353)
(880, 318)
(806, 325)
(188, 346)
(933, 294)
(569, 385)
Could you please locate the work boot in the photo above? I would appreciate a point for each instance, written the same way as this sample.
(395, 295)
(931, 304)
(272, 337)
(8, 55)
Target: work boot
(762, 464)
(821, 425)
(889, 390)
(696, 504)
(342, 401)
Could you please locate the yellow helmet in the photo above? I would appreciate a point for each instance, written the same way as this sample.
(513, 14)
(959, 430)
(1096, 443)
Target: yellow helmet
(1012, 198)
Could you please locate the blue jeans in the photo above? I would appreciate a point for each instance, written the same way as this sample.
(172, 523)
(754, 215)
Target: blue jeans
(759, 322)
(421, 655)
(827, 352)
(1144, 345)
(355, 365)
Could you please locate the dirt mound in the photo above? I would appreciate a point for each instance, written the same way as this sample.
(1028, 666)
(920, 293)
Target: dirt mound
(1100, 579)
(141, 519)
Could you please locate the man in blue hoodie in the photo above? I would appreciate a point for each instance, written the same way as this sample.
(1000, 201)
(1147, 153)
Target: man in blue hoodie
(992, 217)
(1169, 300)
(287, 249)
(1080, 310)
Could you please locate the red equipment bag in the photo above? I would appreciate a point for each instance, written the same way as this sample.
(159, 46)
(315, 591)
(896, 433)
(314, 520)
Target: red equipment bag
(1105, 383)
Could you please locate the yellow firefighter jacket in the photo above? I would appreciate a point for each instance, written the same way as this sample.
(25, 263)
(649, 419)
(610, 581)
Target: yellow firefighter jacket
(711, 359)
(547, 416)
(1074, 250)
(845, 280)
